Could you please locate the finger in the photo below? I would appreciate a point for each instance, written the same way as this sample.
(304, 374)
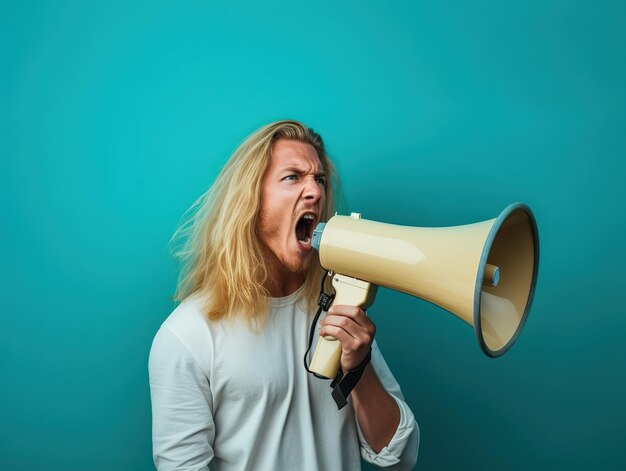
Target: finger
(345, 310)
(341, 322)
(353, 312)
(348, 342)
(359, 320)
(363, 334)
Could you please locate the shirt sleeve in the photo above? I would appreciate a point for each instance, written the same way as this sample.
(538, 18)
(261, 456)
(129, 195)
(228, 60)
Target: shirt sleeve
(401, 452)
(182, 419)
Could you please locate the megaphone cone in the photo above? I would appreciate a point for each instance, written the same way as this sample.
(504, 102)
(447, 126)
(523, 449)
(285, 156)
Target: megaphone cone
(484, 273)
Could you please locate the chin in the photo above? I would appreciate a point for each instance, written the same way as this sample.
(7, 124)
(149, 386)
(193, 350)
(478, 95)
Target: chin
(299, 266)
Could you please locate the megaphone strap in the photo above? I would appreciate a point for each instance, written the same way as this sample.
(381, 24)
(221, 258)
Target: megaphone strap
(344, 384)
(324, 302)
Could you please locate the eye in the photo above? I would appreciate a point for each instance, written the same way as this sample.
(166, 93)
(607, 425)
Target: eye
(291, 177)
(321, 180)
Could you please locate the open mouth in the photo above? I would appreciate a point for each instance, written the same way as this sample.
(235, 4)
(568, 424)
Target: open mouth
(304, 230)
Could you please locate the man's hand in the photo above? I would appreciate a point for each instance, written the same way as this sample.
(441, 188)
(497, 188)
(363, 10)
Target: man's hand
(354, 330)
(377, 412)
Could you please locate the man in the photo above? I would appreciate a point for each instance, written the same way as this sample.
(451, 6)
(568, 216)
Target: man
(228, 388)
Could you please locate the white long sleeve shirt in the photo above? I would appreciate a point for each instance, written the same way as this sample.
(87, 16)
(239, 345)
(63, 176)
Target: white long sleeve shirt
(226, 398)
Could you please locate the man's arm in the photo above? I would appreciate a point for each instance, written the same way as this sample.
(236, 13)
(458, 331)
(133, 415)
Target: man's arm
(182, 419)
(377, 412)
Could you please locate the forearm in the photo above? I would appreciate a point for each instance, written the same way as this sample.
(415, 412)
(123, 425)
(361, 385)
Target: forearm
(376, 411)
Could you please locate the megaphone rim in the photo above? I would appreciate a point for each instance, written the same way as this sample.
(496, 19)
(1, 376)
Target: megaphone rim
(481, 273)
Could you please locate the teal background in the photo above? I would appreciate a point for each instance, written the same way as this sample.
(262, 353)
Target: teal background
(116, 116)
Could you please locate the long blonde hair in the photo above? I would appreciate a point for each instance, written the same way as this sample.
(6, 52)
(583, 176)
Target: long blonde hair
(216, 242)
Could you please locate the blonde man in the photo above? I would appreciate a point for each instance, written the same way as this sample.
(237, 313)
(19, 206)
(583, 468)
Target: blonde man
(228, 388)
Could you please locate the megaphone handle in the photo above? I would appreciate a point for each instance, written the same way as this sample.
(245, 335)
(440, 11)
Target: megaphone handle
(348, 292)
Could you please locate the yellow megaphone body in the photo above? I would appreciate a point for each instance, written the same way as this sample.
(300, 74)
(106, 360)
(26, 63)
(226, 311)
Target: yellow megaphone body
(484, 273)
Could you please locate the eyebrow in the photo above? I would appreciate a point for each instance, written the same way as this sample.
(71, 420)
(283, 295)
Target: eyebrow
(299, 171)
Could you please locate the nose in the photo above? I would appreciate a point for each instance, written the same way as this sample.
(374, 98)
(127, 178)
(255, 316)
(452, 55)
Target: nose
(313, 191)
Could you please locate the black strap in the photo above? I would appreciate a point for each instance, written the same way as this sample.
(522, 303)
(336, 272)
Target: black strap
(342, 385)
(324, 301)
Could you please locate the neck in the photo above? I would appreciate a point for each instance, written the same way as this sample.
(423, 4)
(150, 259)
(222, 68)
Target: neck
(280, 281)
(280, 290)
(280, 286)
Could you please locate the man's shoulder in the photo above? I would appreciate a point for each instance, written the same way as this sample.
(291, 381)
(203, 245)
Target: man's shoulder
(190, 312)
(186, 332)
(189, 323)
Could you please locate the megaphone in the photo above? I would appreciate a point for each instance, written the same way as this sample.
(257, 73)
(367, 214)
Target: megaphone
(484, 273)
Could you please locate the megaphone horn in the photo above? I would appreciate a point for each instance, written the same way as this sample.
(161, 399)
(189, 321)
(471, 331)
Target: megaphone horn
(484, 273)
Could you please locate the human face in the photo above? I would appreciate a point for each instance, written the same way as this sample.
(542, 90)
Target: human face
(292, 198)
